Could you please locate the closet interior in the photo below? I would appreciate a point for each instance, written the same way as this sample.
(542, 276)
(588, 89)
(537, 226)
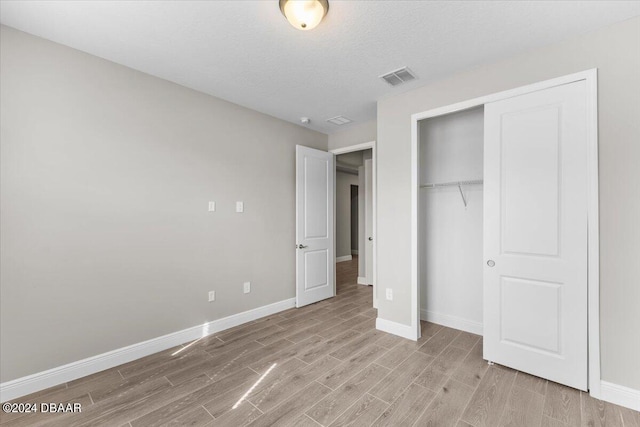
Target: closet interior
(450, 219)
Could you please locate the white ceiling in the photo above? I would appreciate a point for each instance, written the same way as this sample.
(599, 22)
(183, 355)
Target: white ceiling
(245, 51)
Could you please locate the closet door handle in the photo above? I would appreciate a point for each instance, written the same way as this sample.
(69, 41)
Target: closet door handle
(491, 263)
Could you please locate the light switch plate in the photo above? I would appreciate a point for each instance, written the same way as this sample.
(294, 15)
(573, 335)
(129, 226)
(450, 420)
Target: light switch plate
(239, 207)
(212, 206)
(247, 287)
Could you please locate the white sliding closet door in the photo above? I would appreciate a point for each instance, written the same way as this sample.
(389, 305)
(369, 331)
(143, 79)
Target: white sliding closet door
(535, 234)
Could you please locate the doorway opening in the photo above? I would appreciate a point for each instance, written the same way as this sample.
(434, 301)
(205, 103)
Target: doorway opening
(355, 213)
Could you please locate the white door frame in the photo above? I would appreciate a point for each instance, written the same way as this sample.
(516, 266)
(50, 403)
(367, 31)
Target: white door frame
(359, 147)
(593, 246)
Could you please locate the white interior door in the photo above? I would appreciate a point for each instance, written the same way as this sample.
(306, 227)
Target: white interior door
(315, 212)
(368, 220)
(535, 234)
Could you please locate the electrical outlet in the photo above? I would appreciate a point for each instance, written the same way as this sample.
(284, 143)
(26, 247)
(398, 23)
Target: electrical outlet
(389, 294)
(212, 296)
(212, 206)
(239, 207)
(247, 287)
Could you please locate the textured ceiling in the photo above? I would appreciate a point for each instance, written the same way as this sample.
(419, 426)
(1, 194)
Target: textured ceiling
(245, 51)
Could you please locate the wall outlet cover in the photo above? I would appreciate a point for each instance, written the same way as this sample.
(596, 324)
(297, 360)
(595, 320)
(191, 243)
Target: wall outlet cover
(247, 287)
(212, 296)
(389, 294)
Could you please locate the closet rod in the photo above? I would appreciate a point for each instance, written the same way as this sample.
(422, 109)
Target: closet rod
(448, 184)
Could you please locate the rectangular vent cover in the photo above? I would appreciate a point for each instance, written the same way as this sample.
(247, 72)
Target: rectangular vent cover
(339, 120)
(399, 76)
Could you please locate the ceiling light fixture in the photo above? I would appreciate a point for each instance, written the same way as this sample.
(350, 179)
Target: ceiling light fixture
(304, 14)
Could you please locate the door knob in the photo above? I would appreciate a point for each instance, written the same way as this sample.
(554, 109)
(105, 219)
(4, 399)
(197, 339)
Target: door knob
(371, 239)
(302, 246)
(491, 263)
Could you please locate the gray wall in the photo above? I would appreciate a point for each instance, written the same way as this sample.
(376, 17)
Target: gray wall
(344, 181)
(615, 51)
(106, 174)
(350, 159)
(356, 133)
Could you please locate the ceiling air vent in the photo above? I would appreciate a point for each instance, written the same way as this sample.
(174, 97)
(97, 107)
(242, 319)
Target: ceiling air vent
(399, 76)
(339, 120)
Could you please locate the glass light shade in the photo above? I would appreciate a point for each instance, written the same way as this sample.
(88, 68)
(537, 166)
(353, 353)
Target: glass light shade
(304, 14)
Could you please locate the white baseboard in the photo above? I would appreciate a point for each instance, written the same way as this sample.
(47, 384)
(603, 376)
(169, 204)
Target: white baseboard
(620, 395)
(344, 258)
(39, 381)
(452, 321)
(354, 252)
(362, 280)
(394, 328)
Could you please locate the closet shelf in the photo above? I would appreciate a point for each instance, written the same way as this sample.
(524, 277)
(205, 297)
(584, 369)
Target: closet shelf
(448, 184)
(458, 184)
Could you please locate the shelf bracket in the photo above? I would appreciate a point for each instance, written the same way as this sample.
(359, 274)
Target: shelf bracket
(462, 195)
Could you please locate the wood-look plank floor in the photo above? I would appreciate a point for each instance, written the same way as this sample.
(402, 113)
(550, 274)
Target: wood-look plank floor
(322, 365)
